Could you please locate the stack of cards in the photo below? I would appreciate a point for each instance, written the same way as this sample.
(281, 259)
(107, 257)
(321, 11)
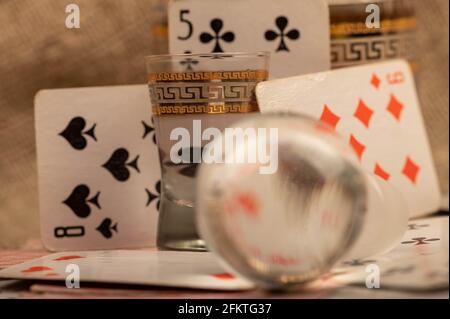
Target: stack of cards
(418, 263)
(156, 268)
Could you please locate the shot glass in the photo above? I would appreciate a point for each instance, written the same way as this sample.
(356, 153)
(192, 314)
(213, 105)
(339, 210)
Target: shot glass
(192, 94)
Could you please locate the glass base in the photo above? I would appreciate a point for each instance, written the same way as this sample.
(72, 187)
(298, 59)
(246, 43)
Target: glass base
(189, 245)
(177, 229)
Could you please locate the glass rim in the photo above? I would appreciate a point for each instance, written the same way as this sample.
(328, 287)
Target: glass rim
(158, 57)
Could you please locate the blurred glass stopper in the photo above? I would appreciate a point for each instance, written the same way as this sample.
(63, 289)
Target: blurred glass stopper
(281, 198)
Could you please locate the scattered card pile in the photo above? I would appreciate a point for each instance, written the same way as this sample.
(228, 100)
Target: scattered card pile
(156, 268)
(419, 263)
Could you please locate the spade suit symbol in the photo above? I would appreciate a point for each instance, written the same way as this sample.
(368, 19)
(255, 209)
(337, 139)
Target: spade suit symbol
(106, 228)
(74, 134)
(78, 201)
(149, 129)
(151, 197)
(117, 165)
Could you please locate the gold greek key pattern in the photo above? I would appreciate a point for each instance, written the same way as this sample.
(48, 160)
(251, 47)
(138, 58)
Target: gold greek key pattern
(247, 75)
(209, 109)
(386, 26)
(198, 92)
(361, 50)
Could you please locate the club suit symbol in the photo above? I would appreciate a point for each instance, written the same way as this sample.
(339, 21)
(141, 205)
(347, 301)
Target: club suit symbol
(282, 22)
(417, 241)
(74, 133)
(215, 56)
(78, 201)
(217, 36)
(106, 228)
(189, 62)
(151, 197)
(117, 165)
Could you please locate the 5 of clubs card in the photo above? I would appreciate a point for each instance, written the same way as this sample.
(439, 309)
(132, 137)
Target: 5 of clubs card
(295, 32)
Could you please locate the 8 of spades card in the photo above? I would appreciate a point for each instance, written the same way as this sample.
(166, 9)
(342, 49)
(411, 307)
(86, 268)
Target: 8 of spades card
(98, 168)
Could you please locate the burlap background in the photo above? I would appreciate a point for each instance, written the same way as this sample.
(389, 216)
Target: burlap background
(37, 51)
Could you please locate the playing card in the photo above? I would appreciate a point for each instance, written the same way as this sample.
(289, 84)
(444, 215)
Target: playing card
(445, 203)
(425, 237)
(375, 108)
(295, 32)
(428, 273)
(98, 168)
(419, 262)
(5, 283)
(157, 268)
(13, 257)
